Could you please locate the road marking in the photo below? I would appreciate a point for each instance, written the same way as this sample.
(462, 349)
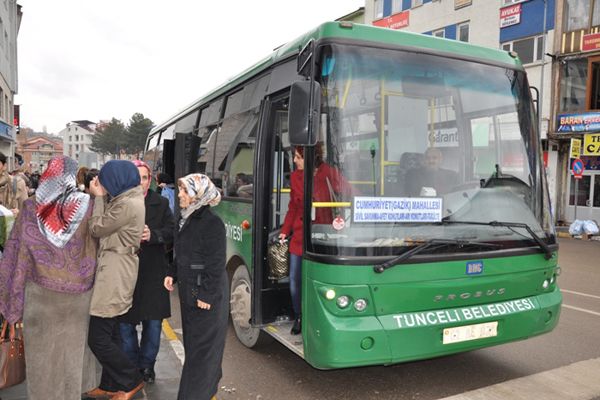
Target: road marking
(173, 341)
(581, 309)
(577, 381)
(580, 294)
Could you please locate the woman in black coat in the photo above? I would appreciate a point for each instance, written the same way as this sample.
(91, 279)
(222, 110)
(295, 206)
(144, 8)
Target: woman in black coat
(199, 268)
(151, 302)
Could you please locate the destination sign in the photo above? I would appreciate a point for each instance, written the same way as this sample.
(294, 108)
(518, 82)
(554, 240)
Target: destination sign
(397, 209)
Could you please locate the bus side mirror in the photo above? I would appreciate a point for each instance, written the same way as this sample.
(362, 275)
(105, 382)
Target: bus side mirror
(303, 116)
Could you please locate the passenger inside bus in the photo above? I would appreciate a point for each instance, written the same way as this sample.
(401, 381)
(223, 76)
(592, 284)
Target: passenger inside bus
(430, 179)
(328, 184)
(243, 185)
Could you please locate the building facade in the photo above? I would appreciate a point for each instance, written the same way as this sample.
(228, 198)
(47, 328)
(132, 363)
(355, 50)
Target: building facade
(10, 20)
(576, 106)
(524, 26)
(77, 139)
(37, 151)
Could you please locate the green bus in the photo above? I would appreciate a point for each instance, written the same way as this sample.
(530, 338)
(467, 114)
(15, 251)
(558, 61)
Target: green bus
(445, 243)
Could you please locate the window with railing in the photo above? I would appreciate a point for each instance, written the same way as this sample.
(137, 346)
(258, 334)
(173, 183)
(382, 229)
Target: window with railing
(581, 14)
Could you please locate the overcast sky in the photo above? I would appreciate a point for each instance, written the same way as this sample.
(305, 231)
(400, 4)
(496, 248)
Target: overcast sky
(98, 59)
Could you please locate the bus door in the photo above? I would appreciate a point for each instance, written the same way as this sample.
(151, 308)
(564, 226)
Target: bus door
(271, 302)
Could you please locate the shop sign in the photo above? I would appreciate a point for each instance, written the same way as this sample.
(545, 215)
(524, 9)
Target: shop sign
(575, 150)
(591, 42)
(591, 144)
(6, 131)
(585, 122)
(510, 15)
(462, 3)
(396, 21)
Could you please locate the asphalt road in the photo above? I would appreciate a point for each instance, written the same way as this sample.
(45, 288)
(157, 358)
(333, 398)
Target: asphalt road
(274, 372)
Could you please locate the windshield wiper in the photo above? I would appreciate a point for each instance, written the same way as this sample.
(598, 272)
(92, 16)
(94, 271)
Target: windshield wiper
(543, 245)
(379, 268)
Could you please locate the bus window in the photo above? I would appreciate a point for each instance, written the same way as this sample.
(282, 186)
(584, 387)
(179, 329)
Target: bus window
(230, 128)
(206, 155)
(152, 151)
(240, 160)
(187, 123)
(234, 103)
(282, 165)
(211, 114)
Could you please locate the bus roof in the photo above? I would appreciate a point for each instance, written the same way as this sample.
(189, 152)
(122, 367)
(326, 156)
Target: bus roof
(366, 34)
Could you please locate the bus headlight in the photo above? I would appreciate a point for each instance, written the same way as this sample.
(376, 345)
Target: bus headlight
(330, 294)
(546, 283)
(343, 301)
(360, 305)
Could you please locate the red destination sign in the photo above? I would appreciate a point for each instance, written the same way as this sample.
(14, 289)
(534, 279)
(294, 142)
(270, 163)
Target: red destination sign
(395, 21)
(591, 42)
(510, 15)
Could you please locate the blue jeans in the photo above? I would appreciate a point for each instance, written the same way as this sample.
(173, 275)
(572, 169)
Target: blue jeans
(143, 354)
(296, 283)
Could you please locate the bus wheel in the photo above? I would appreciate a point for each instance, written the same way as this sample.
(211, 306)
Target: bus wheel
(241, 312)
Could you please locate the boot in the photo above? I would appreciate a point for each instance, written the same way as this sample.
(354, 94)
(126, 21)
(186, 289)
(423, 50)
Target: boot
(297, 327)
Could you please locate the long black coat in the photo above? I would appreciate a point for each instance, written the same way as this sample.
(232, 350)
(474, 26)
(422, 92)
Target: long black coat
(201, 275)
(151, 299)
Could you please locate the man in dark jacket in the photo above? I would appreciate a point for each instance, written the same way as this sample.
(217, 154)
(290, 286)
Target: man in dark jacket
(150, 300)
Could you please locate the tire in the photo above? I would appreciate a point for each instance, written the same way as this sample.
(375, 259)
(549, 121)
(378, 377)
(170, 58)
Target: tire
(241, 310)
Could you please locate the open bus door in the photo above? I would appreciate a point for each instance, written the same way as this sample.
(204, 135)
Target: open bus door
(271, 302)
(258, 301)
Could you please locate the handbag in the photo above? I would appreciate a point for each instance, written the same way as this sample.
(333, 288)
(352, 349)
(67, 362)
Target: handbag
(278, 258)
(12, 355)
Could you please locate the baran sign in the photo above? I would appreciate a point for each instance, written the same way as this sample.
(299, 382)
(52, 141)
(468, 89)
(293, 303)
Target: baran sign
(585, 122)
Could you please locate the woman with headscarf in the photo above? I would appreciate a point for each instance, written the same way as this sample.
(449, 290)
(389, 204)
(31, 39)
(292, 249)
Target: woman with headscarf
(46, 277)
(151, 303)
(199, 268)
(119, 224)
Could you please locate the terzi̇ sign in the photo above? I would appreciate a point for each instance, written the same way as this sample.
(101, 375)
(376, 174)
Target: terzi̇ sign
(584, 122)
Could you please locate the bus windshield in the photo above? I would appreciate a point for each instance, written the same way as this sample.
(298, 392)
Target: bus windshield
(409, 141)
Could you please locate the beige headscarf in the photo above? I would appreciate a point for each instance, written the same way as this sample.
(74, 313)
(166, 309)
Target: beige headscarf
(202, 191)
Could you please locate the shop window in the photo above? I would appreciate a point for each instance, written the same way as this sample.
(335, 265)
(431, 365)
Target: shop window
(572, 85)
(594, 84)
(416, 3)
(583, 191)
(463, 32)
(441, 33)
(378, 9)
(529, 49)
(596, 191)
(396, 6)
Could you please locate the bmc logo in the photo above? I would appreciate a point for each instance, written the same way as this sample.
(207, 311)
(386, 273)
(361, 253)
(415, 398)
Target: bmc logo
(474, 267)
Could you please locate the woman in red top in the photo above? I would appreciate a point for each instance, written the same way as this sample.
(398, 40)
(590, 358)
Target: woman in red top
(327, 179)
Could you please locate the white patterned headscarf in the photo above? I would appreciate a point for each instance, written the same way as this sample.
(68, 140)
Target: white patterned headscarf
(202, 191)
(60, 207)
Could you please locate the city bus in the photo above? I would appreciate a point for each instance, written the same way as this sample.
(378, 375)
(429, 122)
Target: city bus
(444, 242)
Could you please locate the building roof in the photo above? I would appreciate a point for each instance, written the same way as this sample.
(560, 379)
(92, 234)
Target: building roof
(34, 143)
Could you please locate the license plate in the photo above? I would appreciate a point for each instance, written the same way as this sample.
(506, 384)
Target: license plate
(470, 332)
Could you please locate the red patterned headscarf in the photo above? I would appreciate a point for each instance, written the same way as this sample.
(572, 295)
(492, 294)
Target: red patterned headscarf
(60, 207)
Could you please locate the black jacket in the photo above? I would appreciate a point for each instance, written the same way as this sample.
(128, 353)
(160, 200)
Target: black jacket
(199, 263)
(151, 299)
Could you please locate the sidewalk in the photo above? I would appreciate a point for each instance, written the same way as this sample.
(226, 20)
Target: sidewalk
(168, 371)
